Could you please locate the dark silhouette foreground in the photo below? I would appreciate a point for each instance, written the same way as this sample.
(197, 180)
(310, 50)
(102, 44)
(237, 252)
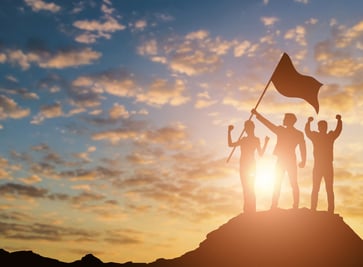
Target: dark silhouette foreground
(299, 238)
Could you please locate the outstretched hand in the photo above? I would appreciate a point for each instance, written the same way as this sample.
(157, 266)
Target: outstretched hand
(338, 117)
(230, 127)
(267, 139)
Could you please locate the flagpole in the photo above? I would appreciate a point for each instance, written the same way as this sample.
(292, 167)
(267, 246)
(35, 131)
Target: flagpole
(256, 106)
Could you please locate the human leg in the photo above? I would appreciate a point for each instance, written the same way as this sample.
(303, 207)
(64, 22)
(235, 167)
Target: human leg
(317, 176)
(329, 180)
(294, 185)
(251, 196)
(279, 172)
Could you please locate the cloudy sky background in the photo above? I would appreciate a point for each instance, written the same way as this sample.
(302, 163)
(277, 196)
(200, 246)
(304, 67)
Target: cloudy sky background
(114, 115)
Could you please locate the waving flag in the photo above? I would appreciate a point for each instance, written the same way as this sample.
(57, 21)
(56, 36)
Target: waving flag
(291, 83)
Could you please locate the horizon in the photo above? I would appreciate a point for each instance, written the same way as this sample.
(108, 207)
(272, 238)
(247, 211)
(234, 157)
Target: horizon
(114, 117)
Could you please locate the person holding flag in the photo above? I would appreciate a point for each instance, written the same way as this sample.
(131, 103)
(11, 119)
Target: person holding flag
(288, 138)
(290, 83)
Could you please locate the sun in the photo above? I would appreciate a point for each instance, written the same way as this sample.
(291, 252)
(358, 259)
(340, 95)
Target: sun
(264, 175)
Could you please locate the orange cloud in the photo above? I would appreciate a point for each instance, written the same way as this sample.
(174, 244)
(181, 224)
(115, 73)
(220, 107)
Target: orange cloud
(38, 5)
(162, 92)
(59, 60)
(10, 109)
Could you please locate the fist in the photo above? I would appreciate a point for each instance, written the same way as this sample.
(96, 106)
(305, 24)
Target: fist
(267, 139)
(310, 119)
(338, 117)
(230, 127)
(254, 111)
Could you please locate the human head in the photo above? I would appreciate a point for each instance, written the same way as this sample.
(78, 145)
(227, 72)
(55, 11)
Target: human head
(289, 119)
(249, 127)
(322, 126)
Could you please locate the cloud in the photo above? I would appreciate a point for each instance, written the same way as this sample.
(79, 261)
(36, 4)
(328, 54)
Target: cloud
(124, 237)
(114, 82)
(204, 100)
(302, 1)
(10, 109)
(115, 136)
(298, 34)
(193, 54)
(94, 29)
(242, 48)
(71, 58)
(140, 24)
(269, 21)
(23, 92)
(123, 84)
(148, 137)
(335, 63)
(341, 67)
(184, 185)
(41, 147)
(3, 58)
(118, 111)
(23, 190)
(347, 36)
(32, 179)
(5, 169)
(85, 155)
(149, 47)
(142, 159)
(162, 92)
(43, 231)
(110, 25)
(59, 60)
(197, 35)
(39, 5)
(48, 112)
(194, 63)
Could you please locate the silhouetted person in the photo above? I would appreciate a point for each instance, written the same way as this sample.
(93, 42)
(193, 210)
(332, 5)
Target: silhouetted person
(288, 138)
(248, 145)
(323, 143)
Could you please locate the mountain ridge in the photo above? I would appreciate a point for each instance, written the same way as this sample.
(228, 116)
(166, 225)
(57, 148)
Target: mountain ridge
(299, 238)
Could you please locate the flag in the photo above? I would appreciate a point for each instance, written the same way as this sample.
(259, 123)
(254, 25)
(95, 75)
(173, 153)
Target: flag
(291, 83)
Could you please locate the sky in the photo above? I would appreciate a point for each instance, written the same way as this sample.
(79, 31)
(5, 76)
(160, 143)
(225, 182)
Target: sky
(114, 117)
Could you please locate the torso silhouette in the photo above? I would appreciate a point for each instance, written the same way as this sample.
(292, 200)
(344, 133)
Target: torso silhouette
(323, 146)
(248, 145)
(287, 140)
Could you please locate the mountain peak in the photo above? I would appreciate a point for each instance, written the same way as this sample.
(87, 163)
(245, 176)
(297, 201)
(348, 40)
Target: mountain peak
(279, 238)
(88, 260)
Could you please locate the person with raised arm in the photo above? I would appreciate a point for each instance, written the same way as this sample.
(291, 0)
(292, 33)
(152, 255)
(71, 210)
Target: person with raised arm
(248, 145)
(288, 138)
(323, 146)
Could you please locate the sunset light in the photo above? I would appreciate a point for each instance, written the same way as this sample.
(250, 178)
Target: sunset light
(265, 174)
(118, 119)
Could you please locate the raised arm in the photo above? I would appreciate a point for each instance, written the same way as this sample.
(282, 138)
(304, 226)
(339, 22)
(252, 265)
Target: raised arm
(265, 121)
(230, 143)
(339, 127)
(308, 131)
(261, 151)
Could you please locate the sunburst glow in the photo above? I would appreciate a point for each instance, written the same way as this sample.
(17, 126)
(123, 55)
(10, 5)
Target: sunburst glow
(265, 175)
